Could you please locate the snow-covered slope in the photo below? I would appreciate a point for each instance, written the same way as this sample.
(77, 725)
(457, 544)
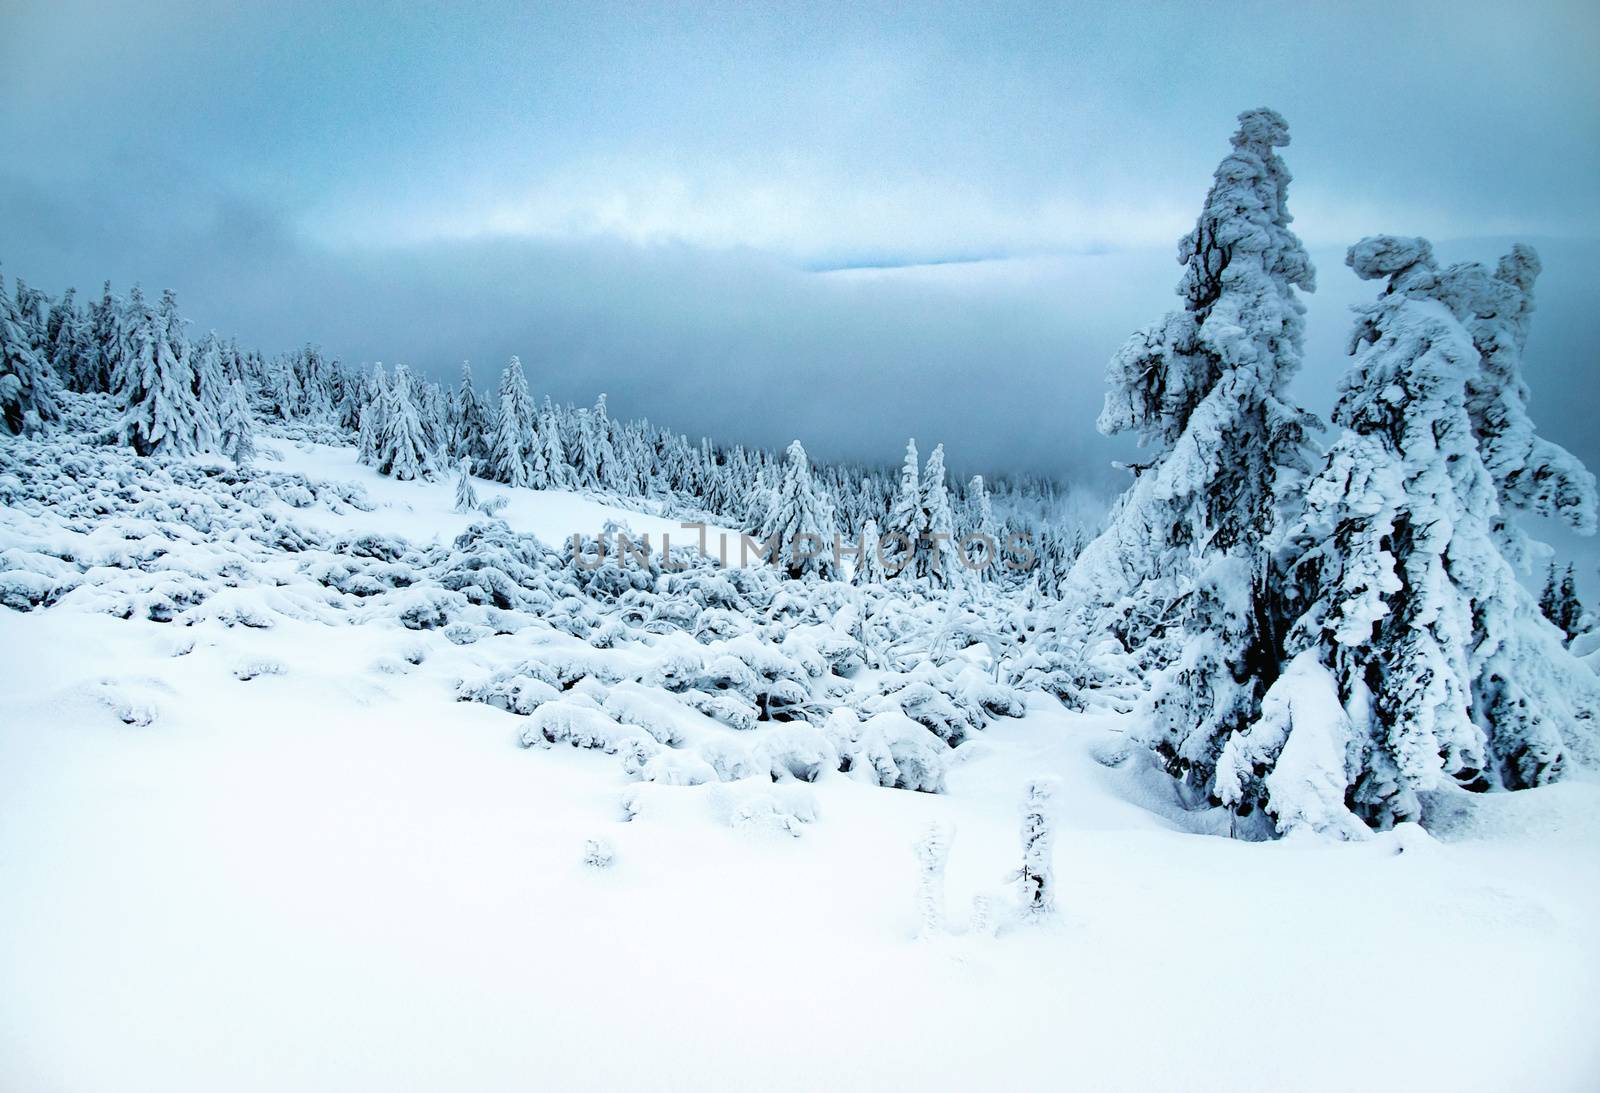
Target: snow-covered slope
(262, 846)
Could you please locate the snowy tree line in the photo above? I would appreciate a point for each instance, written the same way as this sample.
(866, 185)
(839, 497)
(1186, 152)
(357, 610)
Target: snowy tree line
(178, 395)
(1326, 637)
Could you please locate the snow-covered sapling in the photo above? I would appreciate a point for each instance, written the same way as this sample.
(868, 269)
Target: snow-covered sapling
(983, 921)
(598, 853)
(466, 496)
(1038, 844)
(933, 850)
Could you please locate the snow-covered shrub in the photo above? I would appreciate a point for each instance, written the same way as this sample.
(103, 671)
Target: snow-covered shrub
(569, 721)
(254, 668)
(598, 853)
(1038, 846)
(933, 850)
(764, 807)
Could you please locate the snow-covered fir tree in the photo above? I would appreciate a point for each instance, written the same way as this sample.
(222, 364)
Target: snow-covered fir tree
(979, 531)
(906, 526)
(68, 347)
(869, 566)
(468, 430)
(510, 441)
(403, 450)
(155, 386)
(1531, 474)
(549, 470)
(466, 496)
(210, 387)
(1180, 575)
(32, 314)
(27, 382)
(937, 555)
(607, 469)
(1559, 601)
(1416, 656)
(800, 520)
(237, 427)
(108, 341)
(373, 413)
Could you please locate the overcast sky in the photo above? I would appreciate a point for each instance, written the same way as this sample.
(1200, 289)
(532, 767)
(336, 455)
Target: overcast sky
(847, 223)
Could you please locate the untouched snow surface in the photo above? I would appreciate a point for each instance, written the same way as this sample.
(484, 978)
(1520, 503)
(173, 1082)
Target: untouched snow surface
(288, 858)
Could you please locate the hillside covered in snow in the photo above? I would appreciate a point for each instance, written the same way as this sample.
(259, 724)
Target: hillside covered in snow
(365, 731)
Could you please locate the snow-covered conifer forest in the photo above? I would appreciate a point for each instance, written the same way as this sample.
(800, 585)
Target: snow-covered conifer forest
(368, 729)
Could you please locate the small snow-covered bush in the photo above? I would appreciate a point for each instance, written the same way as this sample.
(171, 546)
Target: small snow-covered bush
(598, 853)
(755, 806)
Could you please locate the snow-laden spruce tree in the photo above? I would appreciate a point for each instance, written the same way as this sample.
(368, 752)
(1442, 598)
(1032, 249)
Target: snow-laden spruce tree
(1559, 601)
(210, 388)
(801, 520)
(466, 496)
(549, 470)
(374, 406)
(1038, 873)
(869, 567)
(980, 525)
(155, 385)
(1180, 574)
(237, 427)
(108, 340)
(32, 315)
(937, 560)
(469, 427)
(1531, 474)
(509, 442)
(27, 382)
(402, 448)
(906, 526)
(1416, 656)
(607, 469)
(69, 348)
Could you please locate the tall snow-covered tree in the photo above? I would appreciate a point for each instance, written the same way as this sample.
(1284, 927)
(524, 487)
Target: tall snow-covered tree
(980, 531)
(1416, 656)
(907, 519)
(869, 567)
(1180, 575)
(155, 386)
(32, 315)
(937, 560)
(1531, 474)
(27, 382)
(237, 427)
(801, 520)
(510, 442)
(68, 347)
(373, 410)
(71, 346)
(402, 446)
(549, 470)
(469, 427)
(607, 468)
(211, 387)
(108, 340)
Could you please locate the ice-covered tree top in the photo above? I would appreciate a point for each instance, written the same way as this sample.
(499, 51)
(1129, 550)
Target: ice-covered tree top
(1241, 312)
